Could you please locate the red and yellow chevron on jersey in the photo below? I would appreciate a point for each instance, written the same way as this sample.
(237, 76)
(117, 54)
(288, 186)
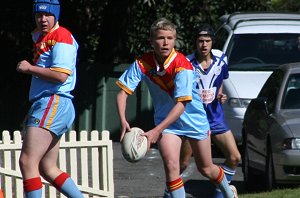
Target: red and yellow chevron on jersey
(163, 75)
(45, 43)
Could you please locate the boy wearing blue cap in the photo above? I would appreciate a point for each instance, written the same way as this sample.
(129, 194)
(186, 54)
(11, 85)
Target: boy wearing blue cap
(52, 112)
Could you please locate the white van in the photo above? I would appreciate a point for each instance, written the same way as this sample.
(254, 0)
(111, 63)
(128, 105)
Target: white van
(255, 44)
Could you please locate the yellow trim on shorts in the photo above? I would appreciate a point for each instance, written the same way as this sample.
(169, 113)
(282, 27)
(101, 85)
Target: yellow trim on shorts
(54, 110)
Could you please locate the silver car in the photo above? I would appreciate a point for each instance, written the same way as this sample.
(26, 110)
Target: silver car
(255, 43)
(271, 132)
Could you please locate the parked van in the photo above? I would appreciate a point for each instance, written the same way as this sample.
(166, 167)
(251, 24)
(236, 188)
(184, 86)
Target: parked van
(255, 43)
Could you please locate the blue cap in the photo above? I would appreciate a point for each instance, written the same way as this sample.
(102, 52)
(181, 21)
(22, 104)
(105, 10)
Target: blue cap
(48, 6)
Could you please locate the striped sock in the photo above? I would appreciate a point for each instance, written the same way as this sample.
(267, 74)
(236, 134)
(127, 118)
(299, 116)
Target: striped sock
(33, 187)
(229, 173)
(222, 184)
(176, 188)
(65, 184)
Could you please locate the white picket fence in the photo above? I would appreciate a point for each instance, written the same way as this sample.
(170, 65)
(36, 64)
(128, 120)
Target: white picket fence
(89, 162)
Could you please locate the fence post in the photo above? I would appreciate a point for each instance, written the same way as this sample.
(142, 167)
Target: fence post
(95, 161)
(17, 152)
(89, 162)
(7, 164)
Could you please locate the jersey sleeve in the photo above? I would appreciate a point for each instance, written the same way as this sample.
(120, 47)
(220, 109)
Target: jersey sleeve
(183, 85)
(64, 57)
(130, 79)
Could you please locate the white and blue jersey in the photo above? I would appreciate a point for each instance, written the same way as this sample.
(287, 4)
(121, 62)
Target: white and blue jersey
(208, 83)
(168, 85)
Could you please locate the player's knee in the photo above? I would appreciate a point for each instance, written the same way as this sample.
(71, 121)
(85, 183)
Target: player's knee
(22, 163)
(26, 163)
(172, 166)
(238, 158)
(48, 168)
(183, 165)
(205, 171)
(234, 160)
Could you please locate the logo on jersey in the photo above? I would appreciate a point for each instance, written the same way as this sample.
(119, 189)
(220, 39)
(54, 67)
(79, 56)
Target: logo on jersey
(217, 71)
(207, 95)
(36, 121)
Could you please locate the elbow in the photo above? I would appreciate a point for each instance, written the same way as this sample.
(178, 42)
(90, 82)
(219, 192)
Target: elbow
(62, 78)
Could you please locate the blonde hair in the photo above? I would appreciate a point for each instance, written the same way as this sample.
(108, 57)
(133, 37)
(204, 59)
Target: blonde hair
(162, 24)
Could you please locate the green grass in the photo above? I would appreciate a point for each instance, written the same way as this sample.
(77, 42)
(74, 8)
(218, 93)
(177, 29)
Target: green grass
(281, 193)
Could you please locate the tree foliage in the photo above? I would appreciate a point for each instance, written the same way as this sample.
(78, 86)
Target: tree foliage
(185, 14)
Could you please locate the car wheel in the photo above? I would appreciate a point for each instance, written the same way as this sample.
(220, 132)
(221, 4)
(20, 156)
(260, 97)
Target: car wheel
(249, 175)
(269, 173)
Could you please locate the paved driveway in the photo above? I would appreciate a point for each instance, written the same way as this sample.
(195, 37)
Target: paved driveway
(146, 179)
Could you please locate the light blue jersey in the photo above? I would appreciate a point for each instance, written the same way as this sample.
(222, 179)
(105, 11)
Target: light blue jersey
(167, 86)
(52, 107)
(57, 51)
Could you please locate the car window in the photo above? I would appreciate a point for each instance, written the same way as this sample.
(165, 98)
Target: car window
(271, 88)
(262, 51)
(292, 93)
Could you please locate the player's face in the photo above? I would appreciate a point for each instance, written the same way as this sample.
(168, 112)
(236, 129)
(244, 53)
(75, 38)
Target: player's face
(163, 42)
(204, 45)
(44, 21)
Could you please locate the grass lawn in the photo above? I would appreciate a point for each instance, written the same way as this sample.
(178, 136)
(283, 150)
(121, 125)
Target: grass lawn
(281, 193)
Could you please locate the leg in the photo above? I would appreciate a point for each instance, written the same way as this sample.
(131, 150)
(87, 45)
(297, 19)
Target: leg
(185, 155)
(48, 167)
(35, 144)
(169, 147)
(59, 179)
(226, 143)
(202, 154)
(203, 159)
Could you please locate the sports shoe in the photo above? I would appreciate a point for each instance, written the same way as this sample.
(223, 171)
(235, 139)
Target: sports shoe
(235, 195)
(167, 194)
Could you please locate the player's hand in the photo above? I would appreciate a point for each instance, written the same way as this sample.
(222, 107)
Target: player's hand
(152, 136)
(125, 127)
(23, 66)
(222, 98)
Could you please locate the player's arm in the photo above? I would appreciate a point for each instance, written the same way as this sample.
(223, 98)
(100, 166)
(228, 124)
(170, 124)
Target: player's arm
(221, 96)
(121, 106)
(128, 82)
(173, 115)
(43, 73)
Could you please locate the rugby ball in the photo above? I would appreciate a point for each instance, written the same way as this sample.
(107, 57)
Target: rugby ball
(134, 146)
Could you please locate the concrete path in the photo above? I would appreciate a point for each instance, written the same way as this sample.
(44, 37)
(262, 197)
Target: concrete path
(146, 179)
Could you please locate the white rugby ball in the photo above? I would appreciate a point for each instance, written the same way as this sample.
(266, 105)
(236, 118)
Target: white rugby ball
(134, 146)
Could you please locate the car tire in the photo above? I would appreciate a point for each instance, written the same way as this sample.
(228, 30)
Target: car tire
(269, 173)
